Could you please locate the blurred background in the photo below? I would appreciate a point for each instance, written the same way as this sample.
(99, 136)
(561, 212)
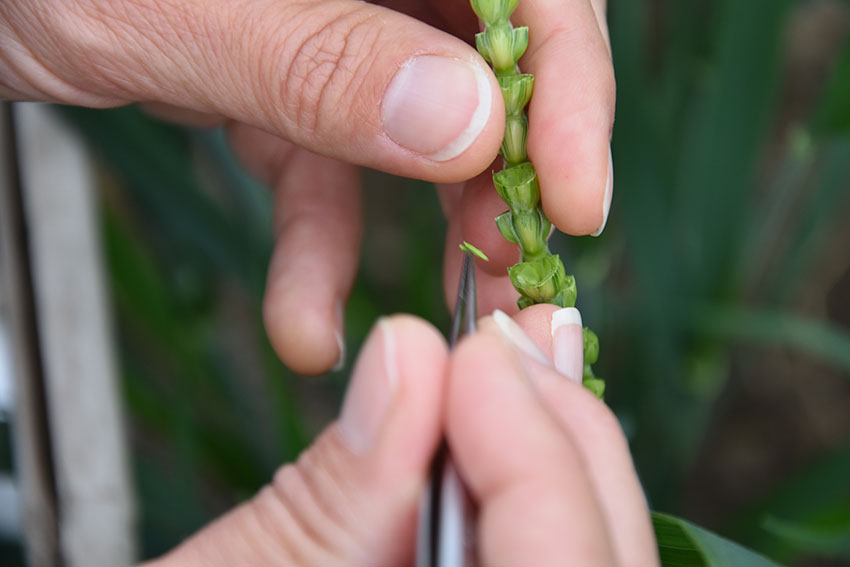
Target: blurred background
(720, 289)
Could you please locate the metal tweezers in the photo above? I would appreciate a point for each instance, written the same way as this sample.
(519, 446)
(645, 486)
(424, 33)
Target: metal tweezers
(444, 537)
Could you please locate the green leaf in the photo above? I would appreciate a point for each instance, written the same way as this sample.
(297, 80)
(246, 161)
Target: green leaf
(818, 214)
(804, 514)
(727, 126)
(832, 540)
(820, 338)
(833, 113)
(682, 544)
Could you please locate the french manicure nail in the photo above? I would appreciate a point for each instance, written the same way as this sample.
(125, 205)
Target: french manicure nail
(568, 343)
(371, 390)
(609, 193)
(437, 106)
(518, 338)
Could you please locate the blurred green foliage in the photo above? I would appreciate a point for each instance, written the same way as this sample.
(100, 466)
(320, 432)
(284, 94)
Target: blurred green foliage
(722, 209)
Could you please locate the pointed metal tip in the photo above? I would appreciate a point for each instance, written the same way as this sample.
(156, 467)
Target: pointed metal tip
(466, 307)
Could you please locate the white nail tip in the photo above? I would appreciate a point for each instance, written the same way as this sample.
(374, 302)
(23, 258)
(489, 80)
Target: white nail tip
(567, 344)
(606, 198)
(476, 123)
(518, 338)
(564, 317)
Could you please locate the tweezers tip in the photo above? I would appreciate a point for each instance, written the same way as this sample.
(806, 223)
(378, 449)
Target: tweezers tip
(466, 309)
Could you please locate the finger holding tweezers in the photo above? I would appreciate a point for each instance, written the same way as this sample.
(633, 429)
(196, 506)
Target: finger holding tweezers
(444, 537)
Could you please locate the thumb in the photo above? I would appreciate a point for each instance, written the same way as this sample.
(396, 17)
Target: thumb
(346, 79)
(351, 498)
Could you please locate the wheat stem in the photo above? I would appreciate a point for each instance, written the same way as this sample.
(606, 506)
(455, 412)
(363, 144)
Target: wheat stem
(540, 277)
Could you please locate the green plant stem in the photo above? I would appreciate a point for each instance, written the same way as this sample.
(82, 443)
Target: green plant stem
(540, 277)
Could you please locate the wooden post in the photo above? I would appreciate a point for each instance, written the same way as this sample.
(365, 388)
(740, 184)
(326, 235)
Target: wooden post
(73, 346)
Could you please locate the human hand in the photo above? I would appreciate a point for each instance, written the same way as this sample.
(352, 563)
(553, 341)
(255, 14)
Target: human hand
(310, 88)
(544, 460)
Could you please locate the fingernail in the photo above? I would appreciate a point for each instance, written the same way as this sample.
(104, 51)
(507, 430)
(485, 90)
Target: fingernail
(437, 106)
(340, 337)
(606, 199)
(518, 338)
(567, 343)
(370, 391)
(340, 343)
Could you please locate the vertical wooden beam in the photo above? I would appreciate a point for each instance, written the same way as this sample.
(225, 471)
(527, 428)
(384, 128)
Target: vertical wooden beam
(92, 478)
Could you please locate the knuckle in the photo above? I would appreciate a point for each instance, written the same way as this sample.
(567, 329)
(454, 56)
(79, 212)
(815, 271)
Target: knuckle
(326, 68)
(44, 46)
(326, 471)
(312, 495)
(279, 512)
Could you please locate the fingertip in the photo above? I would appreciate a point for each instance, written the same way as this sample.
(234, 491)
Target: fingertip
(571, 115)
(302, 334)
(414, 359)
(400, 366)
(577, 185)
(317, 210)
(436, 115)
(418, 341)
(608, 195)
(481, 129)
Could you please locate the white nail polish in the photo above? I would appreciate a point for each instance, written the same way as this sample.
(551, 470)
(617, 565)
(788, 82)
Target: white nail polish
(606, 199)
(517, 337)
(568, 343)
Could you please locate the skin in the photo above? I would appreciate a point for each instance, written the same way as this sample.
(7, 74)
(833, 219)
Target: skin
(537, 447)
(298, 84)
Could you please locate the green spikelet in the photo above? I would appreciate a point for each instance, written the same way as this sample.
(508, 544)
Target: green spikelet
(540, 277)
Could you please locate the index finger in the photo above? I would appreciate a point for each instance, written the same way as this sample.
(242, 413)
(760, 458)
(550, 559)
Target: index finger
(571, 114)
(597, 435)
(537, 506)
(572, 111)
